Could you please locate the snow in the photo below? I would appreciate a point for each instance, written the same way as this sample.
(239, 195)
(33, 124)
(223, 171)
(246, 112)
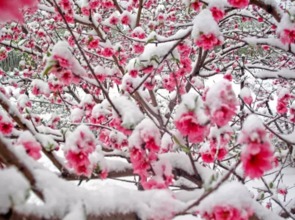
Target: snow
(282, 73)
(191, 102)
(131, 115)
(245, 92)
(42, 86)
(76, 115)
(204, 23)
(14, 189)
(271, 41)
(153, 53)
(226, 194)
(83, 136)
(61, 195)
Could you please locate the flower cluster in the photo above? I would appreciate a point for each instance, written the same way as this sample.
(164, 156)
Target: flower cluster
(257, 154)
(219, 139)
(283, 100)
(221, 102)
(227, 212)
(208, 41)
(79, 145)
(144, 145)
(190, 119)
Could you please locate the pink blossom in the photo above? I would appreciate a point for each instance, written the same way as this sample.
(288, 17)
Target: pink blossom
(208, 41)
(257, 155)
(79, 161)
(94, 3)
(10, 10)
(188, 125)
(85, 11)
(63, 62)
(256, 160)
(221, 102)
(292, 114)
(93, 43)
(125, 19)
(139, 161)
(287, 36)
(239, 3)
(223, 115)
(282, 104)
(196, 5)
(66, 77)
(33, 149)
(154, 184)
(282, 191)
(133, 73)
(107, 52)
(6, 127)
(207, 156)
(217, 13)
(138, 48)
(227, 212)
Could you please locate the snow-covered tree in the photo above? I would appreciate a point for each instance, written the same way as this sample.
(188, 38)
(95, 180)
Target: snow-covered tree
(147, 109)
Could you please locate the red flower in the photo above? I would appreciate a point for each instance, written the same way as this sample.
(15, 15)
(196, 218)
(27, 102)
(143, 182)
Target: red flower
(217, 13)
(188, 125)
(239, 3)
(207, 41)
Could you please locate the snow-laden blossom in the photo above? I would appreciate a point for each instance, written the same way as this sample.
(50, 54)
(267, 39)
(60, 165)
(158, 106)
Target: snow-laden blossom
(6, 124)
(217, 149)
(79, 145)
(217, 13)
(31, 146)
(188, 125)
(144, 145)
(227, 204)
(246, 96)
(257, 154)
(205, 31)
(221, 102)
(227, 212)
(40, 87)
(208, 41)
(287, 36)
(283, 100)
(239, 3)
(190, 119)
(196, 5)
